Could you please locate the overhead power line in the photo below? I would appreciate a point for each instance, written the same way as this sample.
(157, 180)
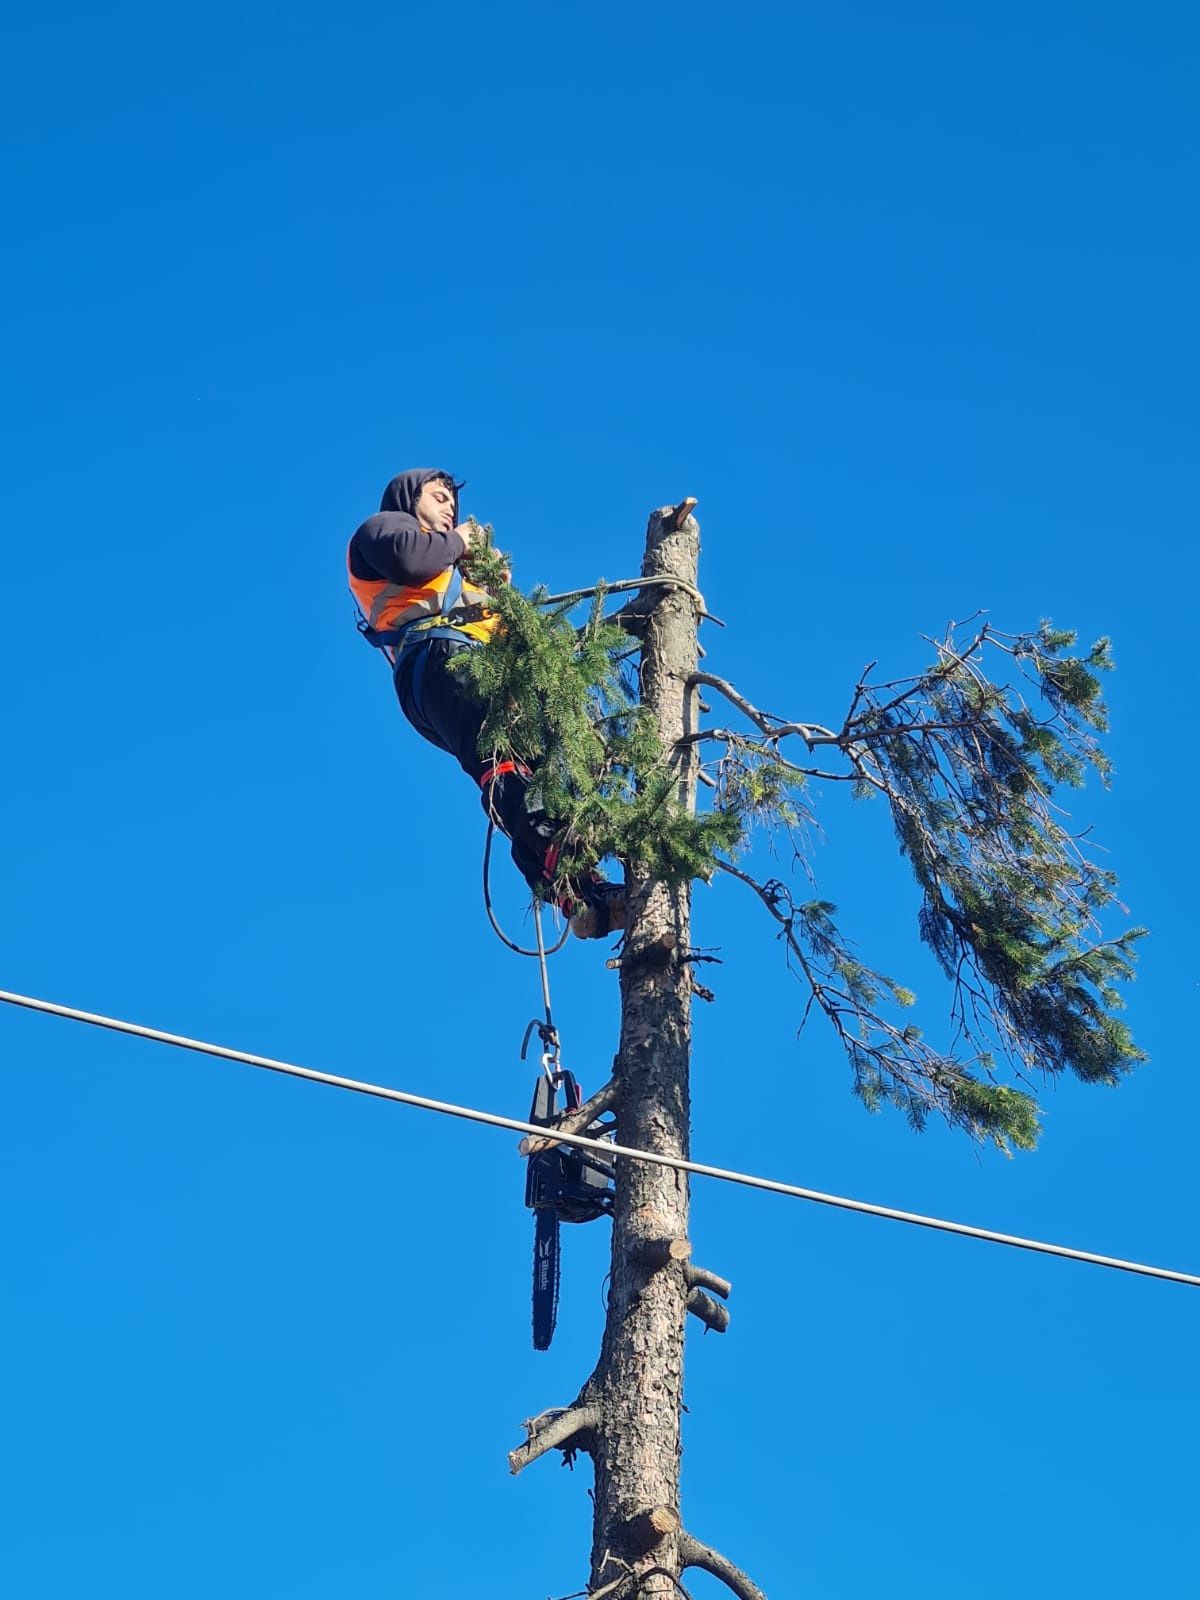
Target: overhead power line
(605, 1147)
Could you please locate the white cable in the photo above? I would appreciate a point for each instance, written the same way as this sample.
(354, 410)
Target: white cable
(604, 1146)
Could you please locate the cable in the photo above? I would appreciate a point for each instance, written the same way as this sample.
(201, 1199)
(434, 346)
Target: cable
(540, 953)
(603, 1146)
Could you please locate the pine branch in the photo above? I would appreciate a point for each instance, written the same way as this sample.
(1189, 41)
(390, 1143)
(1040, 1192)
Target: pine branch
(968, 767)
(711, 1313)
(1011, 899)
(891, 1064)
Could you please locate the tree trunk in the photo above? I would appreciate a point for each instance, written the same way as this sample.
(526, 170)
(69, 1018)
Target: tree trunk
(638, 1383)
(627, 1415)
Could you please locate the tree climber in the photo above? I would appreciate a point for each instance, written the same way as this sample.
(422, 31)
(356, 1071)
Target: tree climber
(404, 566)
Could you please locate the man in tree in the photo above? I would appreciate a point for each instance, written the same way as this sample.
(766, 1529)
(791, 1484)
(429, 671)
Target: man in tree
(406, 567)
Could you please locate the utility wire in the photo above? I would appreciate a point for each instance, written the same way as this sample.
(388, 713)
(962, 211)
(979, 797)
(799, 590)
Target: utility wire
(603, 1146)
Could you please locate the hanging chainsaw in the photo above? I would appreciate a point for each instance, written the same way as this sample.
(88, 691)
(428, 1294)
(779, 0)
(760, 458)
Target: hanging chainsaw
(561, 1184)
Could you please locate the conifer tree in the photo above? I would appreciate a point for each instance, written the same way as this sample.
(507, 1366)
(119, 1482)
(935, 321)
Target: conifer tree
(966, 756)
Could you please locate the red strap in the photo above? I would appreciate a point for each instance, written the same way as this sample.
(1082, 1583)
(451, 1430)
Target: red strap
(499, 771)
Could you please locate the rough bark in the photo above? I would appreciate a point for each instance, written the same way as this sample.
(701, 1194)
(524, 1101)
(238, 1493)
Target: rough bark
(638, 1381)
(627, 1416)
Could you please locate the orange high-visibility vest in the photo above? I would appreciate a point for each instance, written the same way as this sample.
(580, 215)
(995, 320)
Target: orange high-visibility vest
(388, 606)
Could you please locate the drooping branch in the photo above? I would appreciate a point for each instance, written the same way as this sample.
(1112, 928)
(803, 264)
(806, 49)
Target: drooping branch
(553, 1430)
(694, 1554)
(1011, 899)
(732, 740)
(889, 1062)
(711, 1313)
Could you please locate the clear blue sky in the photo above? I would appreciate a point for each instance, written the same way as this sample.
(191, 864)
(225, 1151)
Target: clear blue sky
(907, 297)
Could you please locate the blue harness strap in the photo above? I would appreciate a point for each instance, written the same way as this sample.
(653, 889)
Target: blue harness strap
(408, 643)
(420, 629)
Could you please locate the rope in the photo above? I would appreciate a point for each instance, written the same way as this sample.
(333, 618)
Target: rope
(517, 949)
(547, 1032)
(603, 1147)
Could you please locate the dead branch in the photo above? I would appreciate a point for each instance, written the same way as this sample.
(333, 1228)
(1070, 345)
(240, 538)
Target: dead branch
(694, 1554)
(551, 1431)
(579, 1121)
(702, 1278)
(610, 1590)
(729, 737)
(711, 1312)
(813, 733)
(622, 584)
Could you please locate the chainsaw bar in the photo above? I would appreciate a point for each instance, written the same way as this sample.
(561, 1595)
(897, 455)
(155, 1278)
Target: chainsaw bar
(545, 1276)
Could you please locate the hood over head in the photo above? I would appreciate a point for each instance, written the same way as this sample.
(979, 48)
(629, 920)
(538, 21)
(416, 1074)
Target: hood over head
(405, 489)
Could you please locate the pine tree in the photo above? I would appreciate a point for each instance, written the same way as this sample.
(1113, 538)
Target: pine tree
(967, 765)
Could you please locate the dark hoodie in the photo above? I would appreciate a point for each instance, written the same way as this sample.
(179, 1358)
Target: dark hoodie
(393, 545)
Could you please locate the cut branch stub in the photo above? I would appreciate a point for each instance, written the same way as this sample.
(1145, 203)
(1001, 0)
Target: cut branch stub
(554, 1430)
(682, 512)
(702, 1278)
(648, 1531)
(710, 1312)
(658, 1253)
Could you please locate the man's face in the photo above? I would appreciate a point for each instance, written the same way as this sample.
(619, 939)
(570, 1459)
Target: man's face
(435, 506)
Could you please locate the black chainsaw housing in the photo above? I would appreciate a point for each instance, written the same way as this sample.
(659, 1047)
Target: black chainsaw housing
(561, 1185)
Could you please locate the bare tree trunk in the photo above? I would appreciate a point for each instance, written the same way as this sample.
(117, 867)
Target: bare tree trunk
(627, 1416)
(639, 1379)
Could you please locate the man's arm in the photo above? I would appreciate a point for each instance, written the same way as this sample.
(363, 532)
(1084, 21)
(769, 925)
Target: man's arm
(392, 545)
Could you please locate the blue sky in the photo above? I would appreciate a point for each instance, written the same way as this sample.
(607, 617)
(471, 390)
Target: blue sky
(906, 296)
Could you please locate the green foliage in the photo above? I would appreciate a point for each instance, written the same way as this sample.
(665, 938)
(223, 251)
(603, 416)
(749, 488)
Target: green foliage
(558, 701)
(1010, 899)
(968, 766)
(1011, 902)
(891, 1062)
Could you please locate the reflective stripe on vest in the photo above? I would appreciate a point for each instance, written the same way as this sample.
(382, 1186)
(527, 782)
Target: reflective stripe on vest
(389, 606)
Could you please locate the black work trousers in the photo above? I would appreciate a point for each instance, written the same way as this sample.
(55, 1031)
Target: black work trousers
(444, 709)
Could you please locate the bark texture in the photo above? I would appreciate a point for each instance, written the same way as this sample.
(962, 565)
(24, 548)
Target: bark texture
(638, 1382)
(627, 1416)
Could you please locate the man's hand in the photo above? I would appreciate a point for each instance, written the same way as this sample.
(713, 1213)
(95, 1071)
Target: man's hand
(480, 546)
(471, 535)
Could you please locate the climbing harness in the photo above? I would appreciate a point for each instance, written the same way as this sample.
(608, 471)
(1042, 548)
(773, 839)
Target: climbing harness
(451, 620)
